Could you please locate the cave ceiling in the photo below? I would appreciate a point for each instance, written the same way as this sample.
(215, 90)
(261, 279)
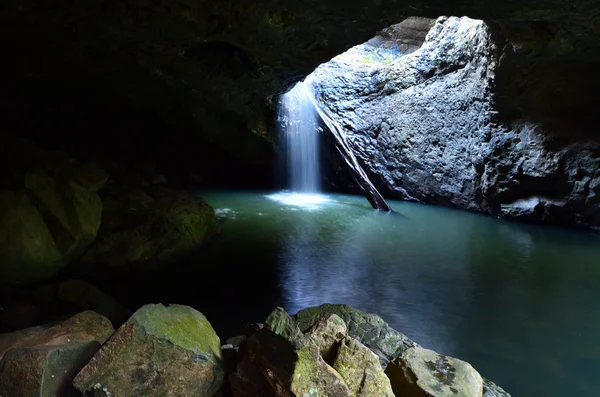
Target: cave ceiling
(216, 65)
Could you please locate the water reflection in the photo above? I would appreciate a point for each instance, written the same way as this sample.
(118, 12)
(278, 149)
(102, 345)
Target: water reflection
(521, 303)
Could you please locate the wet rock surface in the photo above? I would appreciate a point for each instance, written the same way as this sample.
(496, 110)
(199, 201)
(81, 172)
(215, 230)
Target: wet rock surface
(144, 228)
(160, 351)
(427, 126)
(422, 372)
(319, 352)
(43, 361)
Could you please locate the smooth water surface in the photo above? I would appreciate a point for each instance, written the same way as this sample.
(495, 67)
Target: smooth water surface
(519, 302)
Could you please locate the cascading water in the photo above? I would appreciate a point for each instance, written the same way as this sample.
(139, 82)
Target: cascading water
(298, 123)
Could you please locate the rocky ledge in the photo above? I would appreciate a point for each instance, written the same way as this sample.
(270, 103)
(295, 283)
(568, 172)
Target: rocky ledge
(331, 350)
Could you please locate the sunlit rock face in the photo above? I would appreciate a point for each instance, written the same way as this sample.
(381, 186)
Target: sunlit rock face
(203, 76)
(427, 126)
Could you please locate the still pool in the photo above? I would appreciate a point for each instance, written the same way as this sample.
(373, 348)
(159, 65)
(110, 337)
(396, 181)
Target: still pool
(519, 302)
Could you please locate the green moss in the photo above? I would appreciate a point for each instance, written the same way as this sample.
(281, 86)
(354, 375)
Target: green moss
(182, 326)
(375, 59)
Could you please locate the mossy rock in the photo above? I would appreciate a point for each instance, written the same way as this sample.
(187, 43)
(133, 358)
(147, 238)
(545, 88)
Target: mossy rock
(143, 230)
(289, 369)
(361, 370)
(72, 212)
(369, 329)
(159, 351)
(43, 361)
(421, 372)
(28, 252)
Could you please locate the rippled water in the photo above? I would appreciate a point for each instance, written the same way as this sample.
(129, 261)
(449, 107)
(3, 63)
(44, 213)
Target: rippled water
(520, 302)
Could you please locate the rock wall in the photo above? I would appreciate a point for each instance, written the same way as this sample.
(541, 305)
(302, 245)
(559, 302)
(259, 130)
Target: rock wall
(427, 127)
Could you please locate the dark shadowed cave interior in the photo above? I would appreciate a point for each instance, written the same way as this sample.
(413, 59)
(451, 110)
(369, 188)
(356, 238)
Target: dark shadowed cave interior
(189, 194)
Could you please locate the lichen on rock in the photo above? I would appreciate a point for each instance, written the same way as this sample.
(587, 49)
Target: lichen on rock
(421, 372)
(160, 351)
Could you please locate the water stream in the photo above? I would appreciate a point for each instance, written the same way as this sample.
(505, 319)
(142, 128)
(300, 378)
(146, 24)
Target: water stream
(298, 129)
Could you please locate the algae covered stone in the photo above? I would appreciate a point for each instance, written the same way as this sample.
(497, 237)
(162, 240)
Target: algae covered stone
(43, 361)
(27, 248)
(144, 229)
(361, 370)
(289, 369)
(369, 329)
(327, 335)
(421, 372)
(283, 324)
(160, 351)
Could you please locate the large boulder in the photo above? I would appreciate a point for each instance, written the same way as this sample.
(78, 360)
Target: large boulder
(50, 211)
(361, 370)
(281, 361)
(369, 329)
(73, 212)
(427, 125)
(160, 351)
(43, 361)
(335, 350)
(421, 372)
(27, 250)
(147, 227)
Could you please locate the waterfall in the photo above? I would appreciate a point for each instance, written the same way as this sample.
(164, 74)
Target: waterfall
(298, 129)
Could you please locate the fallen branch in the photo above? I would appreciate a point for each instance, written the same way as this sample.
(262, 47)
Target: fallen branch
(372, 194)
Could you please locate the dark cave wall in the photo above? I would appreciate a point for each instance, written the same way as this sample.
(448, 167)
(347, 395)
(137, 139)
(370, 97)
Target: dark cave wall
(210, 71)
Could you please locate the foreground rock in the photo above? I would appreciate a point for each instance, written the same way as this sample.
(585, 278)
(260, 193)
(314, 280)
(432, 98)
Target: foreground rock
(424, 373)
(429, 127)
(160, 351)
(369, 329)
(43, 361)
(49, 211)
(335, 350)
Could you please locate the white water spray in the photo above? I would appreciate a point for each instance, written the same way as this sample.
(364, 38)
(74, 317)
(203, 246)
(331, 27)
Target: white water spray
(298, 122)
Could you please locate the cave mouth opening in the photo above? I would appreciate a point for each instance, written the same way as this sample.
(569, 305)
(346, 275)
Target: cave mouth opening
(313, 121)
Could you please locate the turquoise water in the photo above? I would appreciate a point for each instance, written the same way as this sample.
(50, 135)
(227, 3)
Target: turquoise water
(519, 302)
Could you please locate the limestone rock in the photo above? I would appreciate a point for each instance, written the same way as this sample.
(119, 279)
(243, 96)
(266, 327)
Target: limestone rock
(287, 370)
(27, 250)
(280, 360)
(361, 370)
(160, 351)
(421, 372)
(43, 361)
(369, 329)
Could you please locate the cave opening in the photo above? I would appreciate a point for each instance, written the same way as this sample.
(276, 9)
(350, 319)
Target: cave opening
(166, 182)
